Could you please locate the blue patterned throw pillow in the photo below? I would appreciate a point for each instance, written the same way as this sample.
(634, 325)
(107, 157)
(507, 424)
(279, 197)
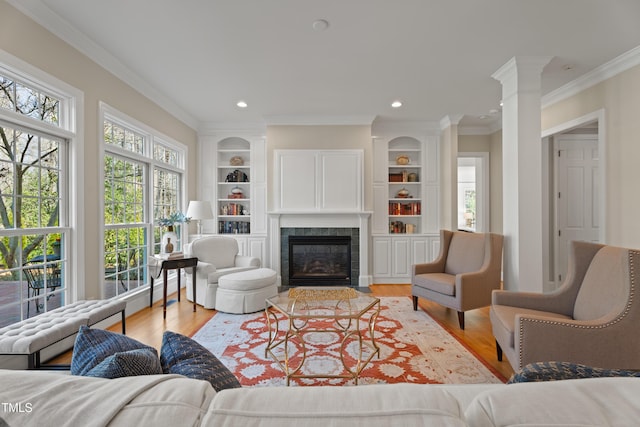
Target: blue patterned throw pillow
(93, 346)
(182, 355)
(142, 361)
(556, 371)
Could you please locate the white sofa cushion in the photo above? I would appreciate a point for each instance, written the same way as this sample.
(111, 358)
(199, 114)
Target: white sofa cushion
(584, 402)
(67, 400)
(370, 406)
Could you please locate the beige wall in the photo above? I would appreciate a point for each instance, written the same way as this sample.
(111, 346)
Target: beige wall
(619, 96)
(25, 39)
(325, 137)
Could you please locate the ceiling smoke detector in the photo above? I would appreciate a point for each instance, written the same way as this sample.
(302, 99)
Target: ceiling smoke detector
(320, 24)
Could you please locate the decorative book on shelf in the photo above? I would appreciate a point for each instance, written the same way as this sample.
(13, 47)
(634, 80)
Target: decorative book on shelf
(399, 208)
(399, 227)
(234, 227)
(233, 209)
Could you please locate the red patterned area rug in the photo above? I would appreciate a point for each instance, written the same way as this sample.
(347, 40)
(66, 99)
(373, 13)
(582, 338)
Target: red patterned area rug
(414, 348)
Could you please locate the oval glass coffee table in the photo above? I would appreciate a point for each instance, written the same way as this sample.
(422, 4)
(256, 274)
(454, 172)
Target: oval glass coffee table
(294, 319)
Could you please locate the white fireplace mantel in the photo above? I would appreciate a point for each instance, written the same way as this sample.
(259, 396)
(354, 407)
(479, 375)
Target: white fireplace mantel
(331, 219)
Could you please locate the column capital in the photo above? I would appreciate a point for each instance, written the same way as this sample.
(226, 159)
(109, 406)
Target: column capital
(450, 120)
(521, 63)
(521, 74)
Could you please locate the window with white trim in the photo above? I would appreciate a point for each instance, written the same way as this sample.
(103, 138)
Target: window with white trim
(143, 182)
(34, 232)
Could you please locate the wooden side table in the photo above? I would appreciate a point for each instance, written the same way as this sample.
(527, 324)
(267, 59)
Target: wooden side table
(174, 264)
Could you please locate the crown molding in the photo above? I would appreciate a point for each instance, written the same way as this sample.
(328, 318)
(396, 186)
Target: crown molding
(217, 128)
(406, 127)
(45, 17)
(610, 69)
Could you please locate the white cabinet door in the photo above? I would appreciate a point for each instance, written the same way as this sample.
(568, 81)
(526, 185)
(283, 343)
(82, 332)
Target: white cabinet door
(393, 256)
(340, 178)
(297, 176)
(323, 180)
(420, 250)
(381, 257)
(400, 258)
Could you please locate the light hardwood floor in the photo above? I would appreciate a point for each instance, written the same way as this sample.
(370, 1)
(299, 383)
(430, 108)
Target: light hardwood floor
(148, 326)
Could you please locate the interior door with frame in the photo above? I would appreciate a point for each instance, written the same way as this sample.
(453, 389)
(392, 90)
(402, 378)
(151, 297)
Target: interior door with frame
(577, 195)
(473, 192)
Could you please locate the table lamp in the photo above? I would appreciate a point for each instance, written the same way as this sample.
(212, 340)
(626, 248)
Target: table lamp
(199, 210)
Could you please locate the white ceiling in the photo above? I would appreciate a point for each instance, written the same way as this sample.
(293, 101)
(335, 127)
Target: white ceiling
(199, 57)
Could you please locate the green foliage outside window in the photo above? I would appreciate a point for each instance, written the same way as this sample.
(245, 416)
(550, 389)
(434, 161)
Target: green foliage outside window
(29, 175)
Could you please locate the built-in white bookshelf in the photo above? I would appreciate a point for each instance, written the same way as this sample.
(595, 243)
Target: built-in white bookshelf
(233, 201)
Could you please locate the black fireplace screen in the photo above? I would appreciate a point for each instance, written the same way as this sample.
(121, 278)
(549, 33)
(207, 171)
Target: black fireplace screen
(320, 260)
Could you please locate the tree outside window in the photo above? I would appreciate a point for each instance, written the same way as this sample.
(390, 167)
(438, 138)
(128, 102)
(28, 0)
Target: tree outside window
(31, 237)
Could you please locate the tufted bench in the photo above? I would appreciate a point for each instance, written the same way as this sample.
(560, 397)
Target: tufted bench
(245, 291)
(32, 335)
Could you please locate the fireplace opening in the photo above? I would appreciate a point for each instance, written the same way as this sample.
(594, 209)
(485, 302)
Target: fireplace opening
(320, 260)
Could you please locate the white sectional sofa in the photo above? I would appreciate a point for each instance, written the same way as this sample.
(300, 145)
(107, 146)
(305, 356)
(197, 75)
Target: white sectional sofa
(38, 398)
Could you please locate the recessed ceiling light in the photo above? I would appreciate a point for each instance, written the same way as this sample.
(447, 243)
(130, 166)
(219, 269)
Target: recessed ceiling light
(396, 104)
(242, 104)
(320, 24)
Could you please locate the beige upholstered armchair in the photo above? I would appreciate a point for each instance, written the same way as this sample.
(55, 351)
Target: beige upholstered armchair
(591, 319)
(467, 269)
(217, 256)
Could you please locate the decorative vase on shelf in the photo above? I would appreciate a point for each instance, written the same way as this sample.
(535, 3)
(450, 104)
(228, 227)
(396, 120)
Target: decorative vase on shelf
(169, 240)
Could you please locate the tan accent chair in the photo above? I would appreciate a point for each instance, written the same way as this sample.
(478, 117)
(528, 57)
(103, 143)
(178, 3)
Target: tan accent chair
(217, 256)
(591, 319)
(467, 269)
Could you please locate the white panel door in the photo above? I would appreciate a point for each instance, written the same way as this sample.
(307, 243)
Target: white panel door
(577, 196)
(297, 180)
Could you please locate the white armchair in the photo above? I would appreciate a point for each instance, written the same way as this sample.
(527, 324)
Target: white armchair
(217, 256)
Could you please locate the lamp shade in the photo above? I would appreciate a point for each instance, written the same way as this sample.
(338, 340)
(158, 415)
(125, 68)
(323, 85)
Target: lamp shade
(199, 209)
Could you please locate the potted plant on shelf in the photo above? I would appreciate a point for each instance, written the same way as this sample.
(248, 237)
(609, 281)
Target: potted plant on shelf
(170, 238)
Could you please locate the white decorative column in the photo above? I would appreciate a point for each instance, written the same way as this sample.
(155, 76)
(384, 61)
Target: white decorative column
(522, 172)
(449, 171)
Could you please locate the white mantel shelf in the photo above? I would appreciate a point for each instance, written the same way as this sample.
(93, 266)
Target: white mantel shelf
(319, 219)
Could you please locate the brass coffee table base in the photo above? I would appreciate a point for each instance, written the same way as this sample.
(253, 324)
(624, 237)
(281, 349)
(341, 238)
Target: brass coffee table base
(347, 310)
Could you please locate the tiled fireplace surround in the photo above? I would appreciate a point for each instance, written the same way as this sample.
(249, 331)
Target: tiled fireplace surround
(354, 233)
(354, 224)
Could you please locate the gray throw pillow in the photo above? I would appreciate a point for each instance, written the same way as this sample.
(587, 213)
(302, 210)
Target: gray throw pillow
(182, 355)
(128, 364)
(92, 346)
